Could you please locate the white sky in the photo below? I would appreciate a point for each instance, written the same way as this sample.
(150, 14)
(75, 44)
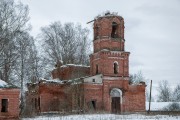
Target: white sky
(152, 29)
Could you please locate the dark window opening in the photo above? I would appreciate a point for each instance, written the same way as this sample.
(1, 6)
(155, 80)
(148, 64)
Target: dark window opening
(114, 30)
(115, 68)
(96, 32)
(93, 80)
(4, 104)
(97, 69)
(35, 103)
(39, 103)
(93, 105)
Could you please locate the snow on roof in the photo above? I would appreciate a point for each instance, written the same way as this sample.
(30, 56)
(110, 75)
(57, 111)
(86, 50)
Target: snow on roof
(57, 80)
(104, 50)
(4, 84)
(67, 65)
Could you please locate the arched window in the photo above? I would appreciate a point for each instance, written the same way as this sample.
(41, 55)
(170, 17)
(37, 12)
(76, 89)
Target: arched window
(114, 30)
(97, 69)
(115, 67)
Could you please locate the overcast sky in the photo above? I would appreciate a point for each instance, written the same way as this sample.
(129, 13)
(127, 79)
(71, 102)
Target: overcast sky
(152, 29)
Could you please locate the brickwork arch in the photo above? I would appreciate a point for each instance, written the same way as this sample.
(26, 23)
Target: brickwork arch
(116, 100)
(116, 92)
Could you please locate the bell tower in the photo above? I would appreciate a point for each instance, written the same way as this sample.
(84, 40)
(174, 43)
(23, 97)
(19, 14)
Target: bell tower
(109, 57)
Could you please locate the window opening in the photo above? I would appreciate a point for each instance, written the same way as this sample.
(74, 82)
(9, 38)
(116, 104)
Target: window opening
(114, 30)
(93, 80)
(96, 32)
(93, 104)
(97, 69)
(115, 68)
(39, 103)
(35, 103)
(4, 104)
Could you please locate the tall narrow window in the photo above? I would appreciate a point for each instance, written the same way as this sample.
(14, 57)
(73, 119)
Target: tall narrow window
(115, 68)
(35, 103)
(39, 103)
(4, 105)
(96, 32)
(114, 30)
(97, 69)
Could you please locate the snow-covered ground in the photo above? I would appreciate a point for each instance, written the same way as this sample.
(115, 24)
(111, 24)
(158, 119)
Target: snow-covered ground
(106, 117)
(155, 106)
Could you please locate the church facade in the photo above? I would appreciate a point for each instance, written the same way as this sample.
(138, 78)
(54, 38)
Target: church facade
(104, 86)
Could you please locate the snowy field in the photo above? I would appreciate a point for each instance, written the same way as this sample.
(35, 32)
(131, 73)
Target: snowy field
(106, 117)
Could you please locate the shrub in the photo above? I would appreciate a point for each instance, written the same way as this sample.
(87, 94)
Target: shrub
(172, 107)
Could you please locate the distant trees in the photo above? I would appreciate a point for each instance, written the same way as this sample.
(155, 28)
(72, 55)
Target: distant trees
(164, 91)
(176, 94)
(136, 78)
(67, 42)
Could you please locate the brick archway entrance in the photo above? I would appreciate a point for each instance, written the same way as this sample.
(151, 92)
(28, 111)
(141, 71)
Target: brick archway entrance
(116, 100)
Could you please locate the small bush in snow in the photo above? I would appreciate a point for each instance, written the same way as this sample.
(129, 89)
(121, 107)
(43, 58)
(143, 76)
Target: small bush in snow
(172, 107)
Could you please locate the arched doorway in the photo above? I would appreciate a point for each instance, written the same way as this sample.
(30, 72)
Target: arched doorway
(116, 100)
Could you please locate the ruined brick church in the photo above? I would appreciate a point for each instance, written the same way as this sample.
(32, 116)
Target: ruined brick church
(102, 86)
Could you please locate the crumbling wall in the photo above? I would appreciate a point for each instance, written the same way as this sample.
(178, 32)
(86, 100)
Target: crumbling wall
(70, 71)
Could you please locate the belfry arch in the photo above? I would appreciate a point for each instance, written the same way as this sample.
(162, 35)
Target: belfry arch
(116, 100)
(114, 30)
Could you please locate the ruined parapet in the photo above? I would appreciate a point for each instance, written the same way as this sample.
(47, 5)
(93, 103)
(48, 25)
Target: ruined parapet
(70, 71)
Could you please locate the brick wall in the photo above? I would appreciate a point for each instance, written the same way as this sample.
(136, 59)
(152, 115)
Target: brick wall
(105, 61)
(70, 72)
(12, 95)
(93, 92)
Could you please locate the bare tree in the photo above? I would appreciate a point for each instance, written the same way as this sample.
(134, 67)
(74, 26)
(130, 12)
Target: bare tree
(26, 67)
(67, 42)
(164, 91)
(83, 51)
(13, 19)
(18, 55)
(136, 78)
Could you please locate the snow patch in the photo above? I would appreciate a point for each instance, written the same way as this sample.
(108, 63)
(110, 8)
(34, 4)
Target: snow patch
(67, 65)
(3, 84)
(104, 50)
(52, 81)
